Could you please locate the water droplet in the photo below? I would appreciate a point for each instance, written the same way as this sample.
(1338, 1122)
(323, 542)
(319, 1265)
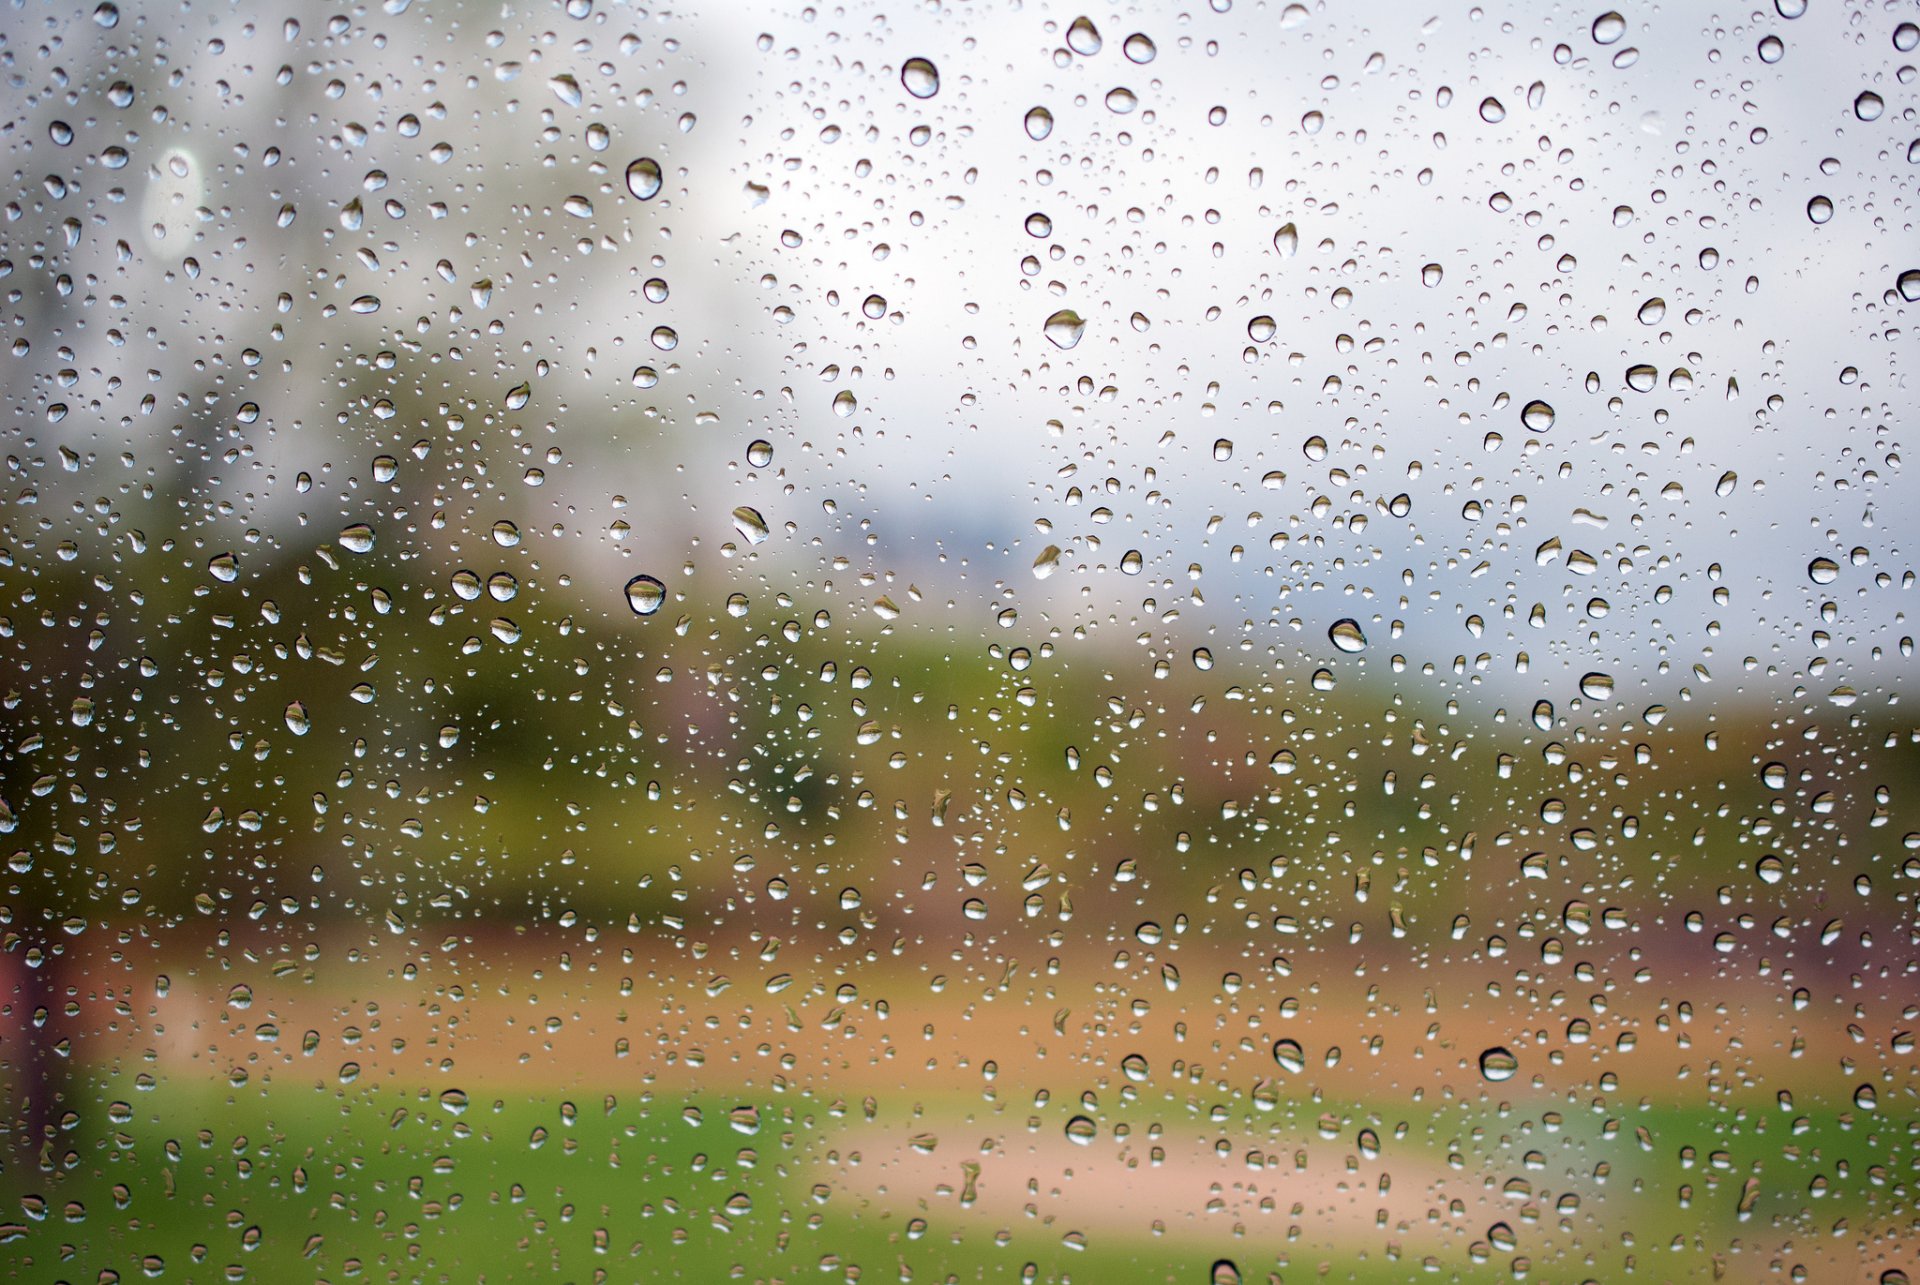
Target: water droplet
(1431, 275)
(1064, 328)
(1772, 49)
(1134, 1067)
(1537, 416)
(1496, 1064)
(1081, 1131)
(1909, 285)
(1314, 448)
(1642, 378)
(1223, 449)
(1868, 105)
(1608, 27)
(1121, 100)
(1653, 311)
(1492, 110)
(297, 720)
(1047, 563)
(505, 533)
(223, 567)
(1288, 1055)
(1261, 329)
(1083, 37)
(645, 594)
(1039, 123)
(1138, 48)
(1225, 1272)
(357, 538)
(1820, 209)
(1906, 37)
(760, 452)
(1823, 571)
(921, 78)
(644, 179)
(1287, 240)
(1596, 686)
(1790, 9)
(748, 522)
(845, 403)
(1345, 635)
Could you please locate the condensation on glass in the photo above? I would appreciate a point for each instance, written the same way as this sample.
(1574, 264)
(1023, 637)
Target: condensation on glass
(1230, 643)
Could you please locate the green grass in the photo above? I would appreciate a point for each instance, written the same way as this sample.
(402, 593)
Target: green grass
(297, 1183)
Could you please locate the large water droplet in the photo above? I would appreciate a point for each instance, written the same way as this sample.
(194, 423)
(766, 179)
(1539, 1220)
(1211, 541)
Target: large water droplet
(1823, 571)
(921, 77)
(1064, 328)
(1139, 48)
(357, 538)
(1497, 1064)
(1287, 240)
(643, 178)
(749, 523)
(1608, 27)
(1083, 37)
(1492, 110)
(1346, 635)
(1039, 123)
(645, 594)
(1537, 416)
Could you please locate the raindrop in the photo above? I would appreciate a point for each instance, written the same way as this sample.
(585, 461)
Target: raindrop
(1121, 100)
(1138, 48)
(357, 538)
(223, 567)
(1820, 209)
(749, 523)
(1431, 275)
(1039, 123)
(645, 594)
(921, 78)
(1346, 635)
(643, 178)
(1497, 1064)
(760, 452)
(297, 721)
(1537, 416)
(1868, 105)
(1608, 27)
(1287, 240)
(1596, 686)
(1081, 1131)
(1492, 110)
(1064, 328)
(1083, 37)
(1641, 378)
(1288, 1055)
(1823, 571)
(1653, 311)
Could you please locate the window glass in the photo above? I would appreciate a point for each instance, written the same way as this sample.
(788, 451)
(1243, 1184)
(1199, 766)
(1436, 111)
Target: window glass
(1215, 642)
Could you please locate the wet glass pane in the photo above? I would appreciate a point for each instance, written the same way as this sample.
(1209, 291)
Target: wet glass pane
(1220, 643)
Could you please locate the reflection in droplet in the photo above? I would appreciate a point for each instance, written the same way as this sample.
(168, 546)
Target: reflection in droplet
(1039, 123)
(1064, 328)
(1497, 1064)
(644, 179)
(1537, 416)
(1492, 110)
(1287, 240)
(1820, 209)
(357, 538)
(1083, 37)
(1608, 27)
(1346, 635)
(1823, 571)
(921, 78)
(748, 522)
(1138, 48)
(645, 594)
